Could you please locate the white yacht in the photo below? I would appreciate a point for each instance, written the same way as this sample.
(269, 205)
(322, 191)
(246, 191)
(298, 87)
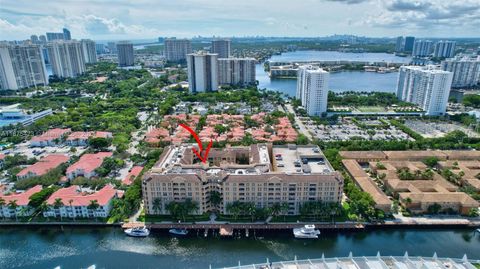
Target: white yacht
(307, 231)
(138, 232)
(178, 231)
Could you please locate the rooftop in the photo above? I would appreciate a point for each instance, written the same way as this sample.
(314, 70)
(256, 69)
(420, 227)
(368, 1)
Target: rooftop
(51, 134)
(44, 165)
(21, 198)
(75, 196)
(89, 162)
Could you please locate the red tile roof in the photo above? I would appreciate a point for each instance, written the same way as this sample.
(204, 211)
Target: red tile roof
(79, 198)
(128, 180)
(89, 162)
(51, 134)
(44, 165)
(86, 135)
(23, 198)
(2, 156)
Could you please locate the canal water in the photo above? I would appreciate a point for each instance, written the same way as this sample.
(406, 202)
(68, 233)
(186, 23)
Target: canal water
(110, 248)
(339, 81)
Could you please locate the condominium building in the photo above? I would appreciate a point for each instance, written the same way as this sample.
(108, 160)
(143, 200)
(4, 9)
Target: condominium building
(261, 174)
(43, 166)
(66, 34)
(176, 50)
(202, 72)
(427, 87)
(409, 41)
(67, 58)
(125, 54)
(89, 50)
(34, 39)
(86, 165)
(21, 66)
(16, 204)
(43, 39)
(422, 48)
(75, 202)
(55, 36)
(312, 89)
(236, 71)
(400, 45)
(221, 47)
(466, 71)
(445, 49)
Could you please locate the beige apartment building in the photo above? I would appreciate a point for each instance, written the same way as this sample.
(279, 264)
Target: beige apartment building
(261, 173)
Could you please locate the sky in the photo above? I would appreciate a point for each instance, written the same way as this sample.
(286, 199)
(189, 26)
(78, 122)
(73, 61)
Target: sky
(147, 19)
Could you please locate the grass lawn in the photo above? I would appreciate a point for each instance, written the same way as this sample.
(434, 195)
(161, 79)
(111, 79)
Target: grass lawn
(371, 109)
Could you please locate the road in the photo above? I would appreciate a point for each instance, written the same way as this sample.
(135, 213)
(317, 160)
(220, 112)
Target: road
(299, 123)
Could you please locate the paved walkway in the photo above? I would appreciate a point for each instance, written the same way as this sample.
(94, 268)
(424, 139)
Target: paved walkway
(301, 126)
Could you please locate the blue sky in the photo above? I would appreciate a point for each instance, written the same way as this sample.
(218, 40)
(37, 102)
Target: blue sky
(142, 19)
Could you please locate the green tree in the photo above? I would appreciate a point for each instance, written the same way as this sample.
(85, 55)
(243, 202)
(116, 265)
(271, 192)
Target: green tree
(13, 206)
(157, 205)
(57, 204)
(431, 161)
(215, 199)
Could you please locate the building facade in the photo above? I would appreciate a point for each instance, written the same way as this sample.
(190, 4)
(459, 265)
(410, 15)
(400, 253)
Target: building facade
(261, 174)
(444, 49)
(16, 204)
(176, 50)
(66, 34)
(221, 47)
(55, 36)
(89, 51)
(427, 87)
(125, 54)
(67, 58)
(312, 89)
(22, 66)
(236, 71)
(409, 41)
(202, 71)
(466, 71)
(422, 48)
(400, 45)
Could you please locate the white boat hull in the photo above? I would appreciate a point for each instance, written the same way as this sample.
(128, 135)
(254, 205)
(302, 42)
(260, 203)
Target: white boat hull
(137, 233)
(178, 232)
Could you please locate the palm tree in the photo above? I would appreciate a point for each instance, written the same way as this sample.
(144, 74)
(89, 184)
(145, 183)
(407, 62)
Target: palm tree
(215, 199)
(275, 209)
(70, 202)
(189, 207)
(251, 209)
(24, 210)
(57, 204)
(174, 208)
(13, 206)
(2, 204)
(157, 205)
(43, 208)
(284, 210)
(234, 209)
(93, 206)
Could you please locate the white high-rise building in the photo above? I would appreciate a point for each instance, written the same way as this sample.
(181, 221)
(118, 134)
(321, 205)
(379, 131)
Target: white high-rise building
(67, 58)
(236, 71)
(222, 48)
(89, 50)
(445, 49)
(466, 71)
(176, 50)
(422, 48)
(427, 86)
(21, 66)
(312, 89)
(400, 45)
(202, 72)
(125, 54)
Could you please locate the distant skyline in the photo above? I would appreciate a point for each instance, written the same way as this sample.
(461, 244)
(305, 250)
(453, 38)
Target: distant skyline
(146, 19)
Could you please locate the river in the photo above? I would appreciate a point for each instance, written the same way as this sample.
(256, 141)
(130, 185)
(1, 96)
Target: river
(339, 81)
(110, 248)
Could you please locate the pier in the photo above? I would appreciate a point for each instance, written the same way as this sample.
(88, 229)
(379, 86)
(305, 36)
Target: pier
(246, 226)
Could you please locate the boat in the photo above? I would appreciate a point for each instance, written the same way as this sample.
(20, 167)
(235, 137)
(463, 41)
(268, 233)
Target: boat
(307, 231)
(478, 230)
(178, 231)
(137, 232)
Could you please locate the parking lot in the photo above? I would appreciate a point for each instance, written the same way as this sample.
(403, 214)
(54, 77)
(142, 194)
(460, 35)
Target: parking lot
(348, 129)
(38, 152)
(437, 129)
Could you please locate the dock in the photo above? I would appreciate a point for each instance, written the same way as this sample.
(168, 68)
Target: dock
(245, 226)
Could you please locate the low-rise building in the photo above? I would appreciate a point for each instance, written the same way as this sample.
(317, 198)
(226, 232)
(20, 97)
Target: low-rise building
(51, 137)
(261, 174)
(134, 173)
(16, 204)
(81, 138)
(43, 166)
(85, 167)
(74, 202)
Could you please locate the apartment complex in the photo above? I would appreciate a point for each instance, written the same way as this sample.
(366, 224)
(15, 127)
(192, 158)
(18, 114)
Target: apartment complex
(89, 51)
(67, 58)
(51, 137)
(202, 72)
(236, 71)
(75, 202)
(86, 165)
(422, 48)
(125, 54)
(21, 66)
(312, 89)
(43, 166)
(444, 49)
(55, 36)
(260, 173)
(409, 41)
(466, 71)
(21, 200)
(221, 47)
(176, 50)
(406, 177)
(426, 86)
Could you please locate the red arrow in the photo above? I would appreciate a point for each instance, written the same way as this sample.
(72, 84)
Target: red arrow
(200, 146)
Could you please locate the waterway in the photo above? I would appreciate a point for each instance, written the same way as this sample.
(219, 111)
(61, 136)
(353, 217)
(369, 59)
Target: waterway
(339, 81)
(110, 248)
